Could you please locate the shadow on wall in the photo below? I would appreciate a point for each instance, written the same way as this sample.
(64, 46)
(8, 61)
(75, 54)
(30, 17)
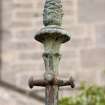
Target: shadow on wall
(0, 35)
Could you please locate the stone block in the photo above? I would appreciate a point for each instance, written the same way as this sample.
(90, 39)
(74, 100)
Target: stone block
(27, 56)
(91, 10)
(93, 58)
(76, 31)
(69, 65)
(25, 15)
(88, 76)
(101, 77)
(7, 36)
(23, 5)
(14, 98)
(21, 24)
(100, 36)
(81, 43)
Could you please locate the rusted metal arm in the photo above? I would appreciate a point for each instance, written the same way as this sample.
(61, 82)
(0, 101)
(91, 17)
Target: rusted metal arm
(33, 83)
(44, 83)
(69, 82)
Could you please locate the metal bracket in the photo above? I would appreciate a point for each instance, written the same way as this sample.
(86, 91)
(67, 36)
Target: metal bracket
(44, 83)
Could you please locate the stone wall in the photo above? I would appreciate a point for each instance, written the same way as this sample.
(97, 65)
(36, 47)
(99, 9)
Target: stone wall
(21, 56)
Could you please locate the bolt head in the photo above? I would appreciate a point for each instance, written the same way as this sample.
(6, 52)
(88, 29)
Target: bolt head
(49, 76)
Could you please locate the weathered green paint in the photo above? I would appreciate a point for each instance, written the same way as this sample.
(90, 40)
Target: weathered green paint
(51, 36)
(53, 12)
(51, 95)
(51, 58)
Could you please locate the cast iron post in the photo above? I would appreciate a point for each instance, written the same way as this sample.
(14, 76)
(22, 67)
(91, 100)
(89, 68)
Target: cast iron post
(52, 36)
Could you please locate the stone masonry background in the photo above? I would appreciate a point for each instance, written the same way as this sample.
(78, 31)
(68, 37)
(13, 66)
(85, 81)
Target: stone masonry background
(21, 56)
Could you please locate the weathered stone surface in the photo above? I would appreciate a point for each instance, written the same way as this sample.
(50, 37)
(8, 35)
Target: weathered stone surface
(25, 15)
(7, 36)
(23, 6)
(77, 31)
(81, 43)
(93, 58)
(100, 36)
(18, 45)
(88, 76)
(91, 10)
(30, 56)
(101, 77)
(14, 98)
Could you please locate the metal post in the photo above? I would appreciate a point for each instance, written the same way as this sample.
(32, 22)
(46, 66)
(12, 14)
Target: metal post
(52, 36)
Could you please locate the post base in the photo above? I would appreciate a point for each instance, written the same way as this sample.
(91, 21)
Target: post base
(53, 31)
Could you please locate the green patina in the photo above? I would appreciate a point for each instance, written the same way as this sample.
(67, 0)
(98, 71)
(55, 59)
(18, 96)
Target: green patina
(52, 36)
(53, 13)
